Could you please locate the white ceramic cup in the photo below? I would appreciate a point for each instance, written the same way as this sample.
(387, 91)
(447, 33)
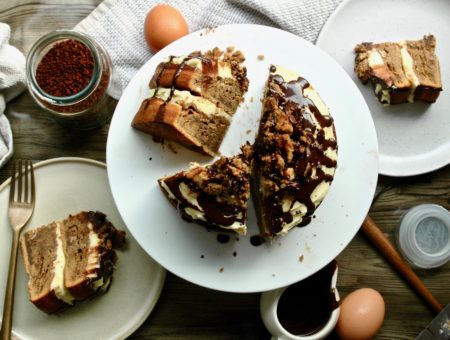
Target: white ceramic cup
(268, 308)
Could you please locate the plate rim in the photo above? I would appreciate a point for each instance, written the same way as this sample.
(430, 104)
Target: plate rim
(161, 272)
(388, 165)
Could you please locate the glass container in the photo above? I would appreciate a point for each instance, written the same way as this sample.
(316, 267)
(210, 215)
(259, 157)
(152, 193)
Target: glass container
(88, 108)
(423, 236)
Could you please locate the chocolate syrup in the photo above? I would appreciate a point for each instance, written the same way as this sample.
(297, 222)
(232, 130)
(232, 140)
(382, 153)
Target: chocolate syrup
(302, 114)
(218, 212)
(208, 67)
(223, 238)
(257, 240)
(305, 307)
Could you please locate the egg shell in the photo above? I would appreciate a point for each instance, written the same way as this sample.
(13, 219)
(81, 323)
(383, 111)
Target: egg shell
(362, 315)
(163, 25)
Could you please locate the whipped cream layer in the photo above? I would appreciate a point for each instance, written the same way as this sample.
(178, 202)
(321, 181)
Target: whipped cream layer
(187, 99)
(381, 70)
(57, 284)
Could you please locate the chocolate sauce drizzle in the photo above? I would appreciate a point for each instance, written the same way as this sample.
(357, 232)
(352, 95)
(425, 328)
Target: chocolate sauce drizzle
(301, 112)
(209, 67)
(218, 211)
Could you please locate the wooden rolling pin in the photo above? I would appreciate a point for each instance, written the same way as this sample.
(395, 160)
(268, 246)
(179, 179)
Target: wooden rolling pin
(380, 241)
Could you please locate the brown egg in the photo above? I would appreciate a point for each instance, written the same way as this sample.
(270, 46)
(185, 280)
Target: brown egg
(361, 316)
(163, 25)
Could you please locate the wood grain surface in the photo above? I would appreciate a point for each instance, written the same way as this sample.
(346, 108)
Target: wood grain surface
(186, 311)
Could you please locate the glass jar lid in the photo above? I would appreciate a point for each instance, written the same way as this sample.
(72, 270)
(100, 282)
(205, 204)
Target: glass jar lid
(423, 236)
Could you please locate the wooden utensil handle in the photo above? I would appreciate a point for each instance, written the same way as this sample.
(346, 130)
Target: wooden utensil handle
(377, 237)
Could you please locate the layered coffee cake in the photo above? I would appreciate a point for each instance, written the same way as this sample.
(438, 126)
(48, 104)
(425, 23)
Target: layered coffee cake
(193, 99)
(70, 260)
(214, 195)
(404, 71)
(294, 156)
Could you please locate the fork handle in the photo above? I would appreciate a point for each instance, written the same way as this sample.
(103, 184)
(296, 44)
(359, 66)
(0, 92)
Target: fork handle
(8, 306)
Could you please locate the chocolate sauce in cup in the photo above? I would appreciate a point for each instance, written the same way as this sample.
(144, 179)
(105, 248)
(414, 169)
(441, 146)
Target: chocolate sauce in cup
(306, 310)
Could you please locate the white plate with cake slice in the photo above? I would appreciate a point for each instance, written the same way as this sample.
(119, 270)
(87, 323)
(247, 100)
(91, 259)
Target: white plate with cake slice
(414, 138)
(233, 263)
(66, 186)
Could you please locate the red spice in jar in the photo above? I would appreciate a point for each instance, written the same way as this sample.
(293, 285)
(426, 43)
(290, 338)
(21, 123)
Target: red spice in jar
(66, 69)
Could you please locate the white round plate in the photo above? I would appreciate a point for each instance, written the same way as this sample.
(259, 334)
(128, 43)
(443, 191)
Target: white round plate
(135, 162)
(413, 138)
(66, 186)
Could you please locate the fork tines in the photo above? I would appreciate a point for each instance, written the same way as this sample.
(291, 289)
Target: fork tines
(22, 170)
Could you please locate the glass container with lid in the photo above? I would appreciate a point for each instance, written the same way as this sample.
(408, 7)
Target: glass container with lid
(423, 236)
(69, 75)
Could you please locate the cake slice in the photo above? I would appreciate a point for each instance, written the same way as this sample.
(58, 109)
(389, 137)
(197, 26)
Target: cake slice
(69, 260)
(193, 99)
(214, 195)
(294, 156)
(404, 71)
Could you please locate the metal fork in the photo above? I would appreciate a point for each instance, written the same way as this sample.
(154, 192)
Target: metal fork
(21, 206)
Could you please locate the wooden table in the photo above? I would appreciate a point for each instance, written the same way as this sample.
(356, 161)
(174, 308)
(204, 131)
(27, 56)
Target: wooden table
(187, 311)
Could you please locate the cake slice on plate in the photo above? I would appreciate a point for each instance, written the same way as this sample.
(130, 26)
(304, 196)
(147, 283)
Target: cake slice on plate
(294, 156)
(70, 260)
(404, 71)
(193, 99)
(214, 195)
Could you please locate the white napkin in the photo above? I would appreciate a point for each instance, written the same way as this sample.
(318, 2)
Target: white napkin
(118, 24)
(12, 83)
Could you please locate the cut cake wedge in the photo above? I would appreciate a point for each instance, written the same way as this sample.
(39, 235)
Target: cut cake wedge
(294, 156)
(400, 72)
(70, 260)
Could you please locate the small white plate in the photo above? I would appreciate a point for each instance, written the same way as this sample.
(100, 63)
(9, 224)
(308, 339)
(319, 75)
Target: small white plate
(413, 138)
(135, 162)
(65, 186)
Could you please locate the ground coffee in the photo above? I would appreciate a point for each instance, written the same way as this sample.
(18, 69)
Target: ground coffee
(66, 69)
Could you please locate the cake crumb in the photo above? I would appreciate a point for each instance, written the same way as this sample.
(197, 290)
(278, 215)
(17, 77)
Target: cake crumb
(248, 131)
(230, 49)
(251, 99)
(158, 140)
(261, 57)
(301, 258)
(221, 270)
(172, 148)
(210, 29)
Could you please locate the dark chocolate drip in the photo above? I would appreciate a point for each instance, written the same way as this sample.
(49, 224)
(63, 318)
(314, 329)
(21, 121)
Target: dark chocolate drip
(158, 78)
(310, 145)
(257, 240)
(223, 238)
(209, 67)
(162, 108)
(305, 307)
(218, 213)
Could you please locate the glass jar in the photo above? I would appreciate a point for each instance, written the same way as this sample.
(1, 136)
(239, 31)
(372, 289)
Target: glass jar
(423, 236)
(89, 73)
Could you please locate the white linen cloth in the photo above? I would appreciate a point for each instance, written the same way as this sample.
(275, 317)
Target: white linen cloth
(118, 24)
(12, 83)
